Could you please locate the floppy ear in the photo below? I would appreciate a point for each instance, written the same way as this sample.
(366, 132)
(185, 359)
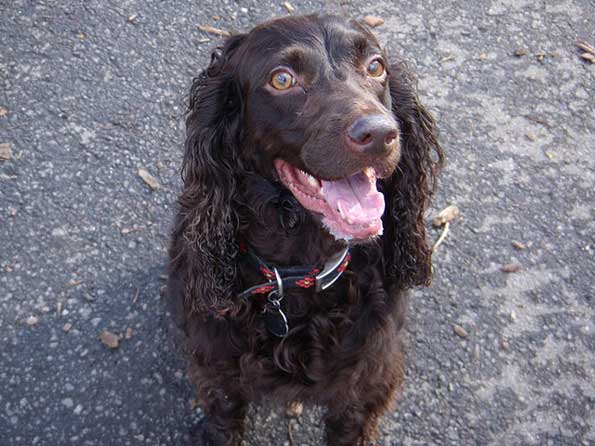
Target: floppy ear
(204, 249)
(408, 191)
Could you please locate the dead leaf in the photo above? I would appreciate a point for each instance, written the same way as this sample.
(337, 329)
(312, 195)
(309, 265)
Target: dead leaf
(446, 215)
(520, 52)
(149, 179)
(460, 331)
(294, 409)
(109, 339)
(511, 268)
(212, 30)
(373, 21)
(67, 327)
(518, 245)
(3, 112)
(5, 151)
(288, 6)
(539, 120)
(31, 320)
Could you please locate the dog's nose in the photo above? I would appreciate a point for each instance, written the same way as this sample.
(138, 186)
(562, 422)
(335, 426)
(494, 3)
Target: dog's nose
(372, 133)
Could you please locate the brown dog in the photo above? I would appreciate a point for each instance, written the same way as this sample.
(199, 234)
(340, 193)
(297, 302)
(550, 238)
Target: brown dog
(309, 163)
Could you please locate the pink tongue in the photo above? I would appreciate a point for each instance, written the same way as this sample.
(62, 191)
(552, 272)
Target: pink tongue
(355, 198)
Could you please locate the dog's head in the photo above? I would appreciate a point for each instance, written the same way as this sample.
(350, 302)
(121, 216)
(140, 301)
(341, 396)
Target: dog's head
(314, 102)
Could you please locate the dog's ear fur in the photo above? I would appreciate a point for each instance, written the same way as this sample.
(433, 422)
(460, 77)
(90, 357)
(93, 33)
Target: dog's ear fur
(204, 249)
(408, 191)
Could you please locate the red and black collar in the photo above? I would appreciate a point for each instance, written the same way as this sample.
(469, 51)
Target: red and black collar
(280, 278)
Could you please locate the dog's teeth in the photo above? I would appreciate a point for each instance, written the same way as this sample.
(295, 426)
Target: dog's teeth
(313, 181)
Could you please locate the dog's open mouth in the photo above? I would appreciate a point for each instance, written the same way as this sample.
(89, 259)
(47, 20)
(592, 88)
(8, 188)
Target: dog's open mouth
(351, 208)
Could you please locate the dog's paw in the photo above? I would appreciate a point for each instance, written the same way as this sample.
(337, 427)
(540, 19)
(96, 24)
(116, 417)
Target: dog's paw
(200, 435)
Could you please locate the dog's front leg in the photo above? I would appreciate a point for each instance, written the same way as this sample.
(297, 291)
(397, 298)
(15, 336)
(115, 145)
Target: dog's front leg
(225, 411)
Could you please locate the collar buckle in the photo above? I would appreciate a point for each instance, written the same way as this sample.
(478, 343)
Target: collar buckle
(331, 272)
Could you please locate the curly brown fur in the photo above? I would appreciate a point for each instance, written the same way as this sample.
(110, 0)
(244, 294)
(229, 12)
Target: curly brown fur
(343, 350)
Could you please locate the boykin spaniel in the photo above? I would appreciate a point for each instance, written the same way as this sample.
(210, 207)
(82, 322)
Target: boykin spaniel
(309, 162)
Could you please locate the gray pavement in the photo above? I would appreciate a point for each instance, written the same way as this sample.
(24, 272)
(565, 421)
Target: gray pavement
(90, 94)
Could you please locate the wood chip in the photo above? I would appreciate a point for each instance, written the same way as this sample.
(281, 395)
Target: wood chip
(511, 268)
(5, 151)
(31, 320)
(149, 179)
(288, 6)
(295, 409)
(109, 339)
(67, 327)
(475, 355)
(520, 52)
(585, 46)
(59, 309)
(518, 245)
(128, 334)
(3, 112)
(460, 331)
(212, 30)
(446, 215)
(373, 21)
(125, 231)
(588, 56)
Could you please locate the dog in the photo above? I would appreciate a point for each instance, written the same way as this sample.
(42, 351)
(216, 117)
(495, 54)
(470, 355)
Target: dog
(309, 162)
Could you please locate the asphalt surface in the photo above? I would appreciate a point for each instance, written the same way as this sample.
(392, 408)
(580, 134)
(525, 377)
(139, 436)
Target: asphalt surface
(90, 94)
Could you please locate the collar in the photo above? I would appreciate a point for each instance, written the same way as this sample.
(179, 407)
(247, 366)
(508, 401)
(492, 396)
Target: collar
(282, 278)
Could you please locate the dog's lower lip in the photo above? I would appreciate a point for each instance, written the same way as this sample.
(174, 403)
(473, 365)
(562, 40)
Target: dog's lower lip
(351, 206)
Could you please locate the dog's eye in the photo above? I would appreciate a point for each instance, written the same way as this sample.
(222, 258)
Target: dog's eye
(282, 80)
(376, 68)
